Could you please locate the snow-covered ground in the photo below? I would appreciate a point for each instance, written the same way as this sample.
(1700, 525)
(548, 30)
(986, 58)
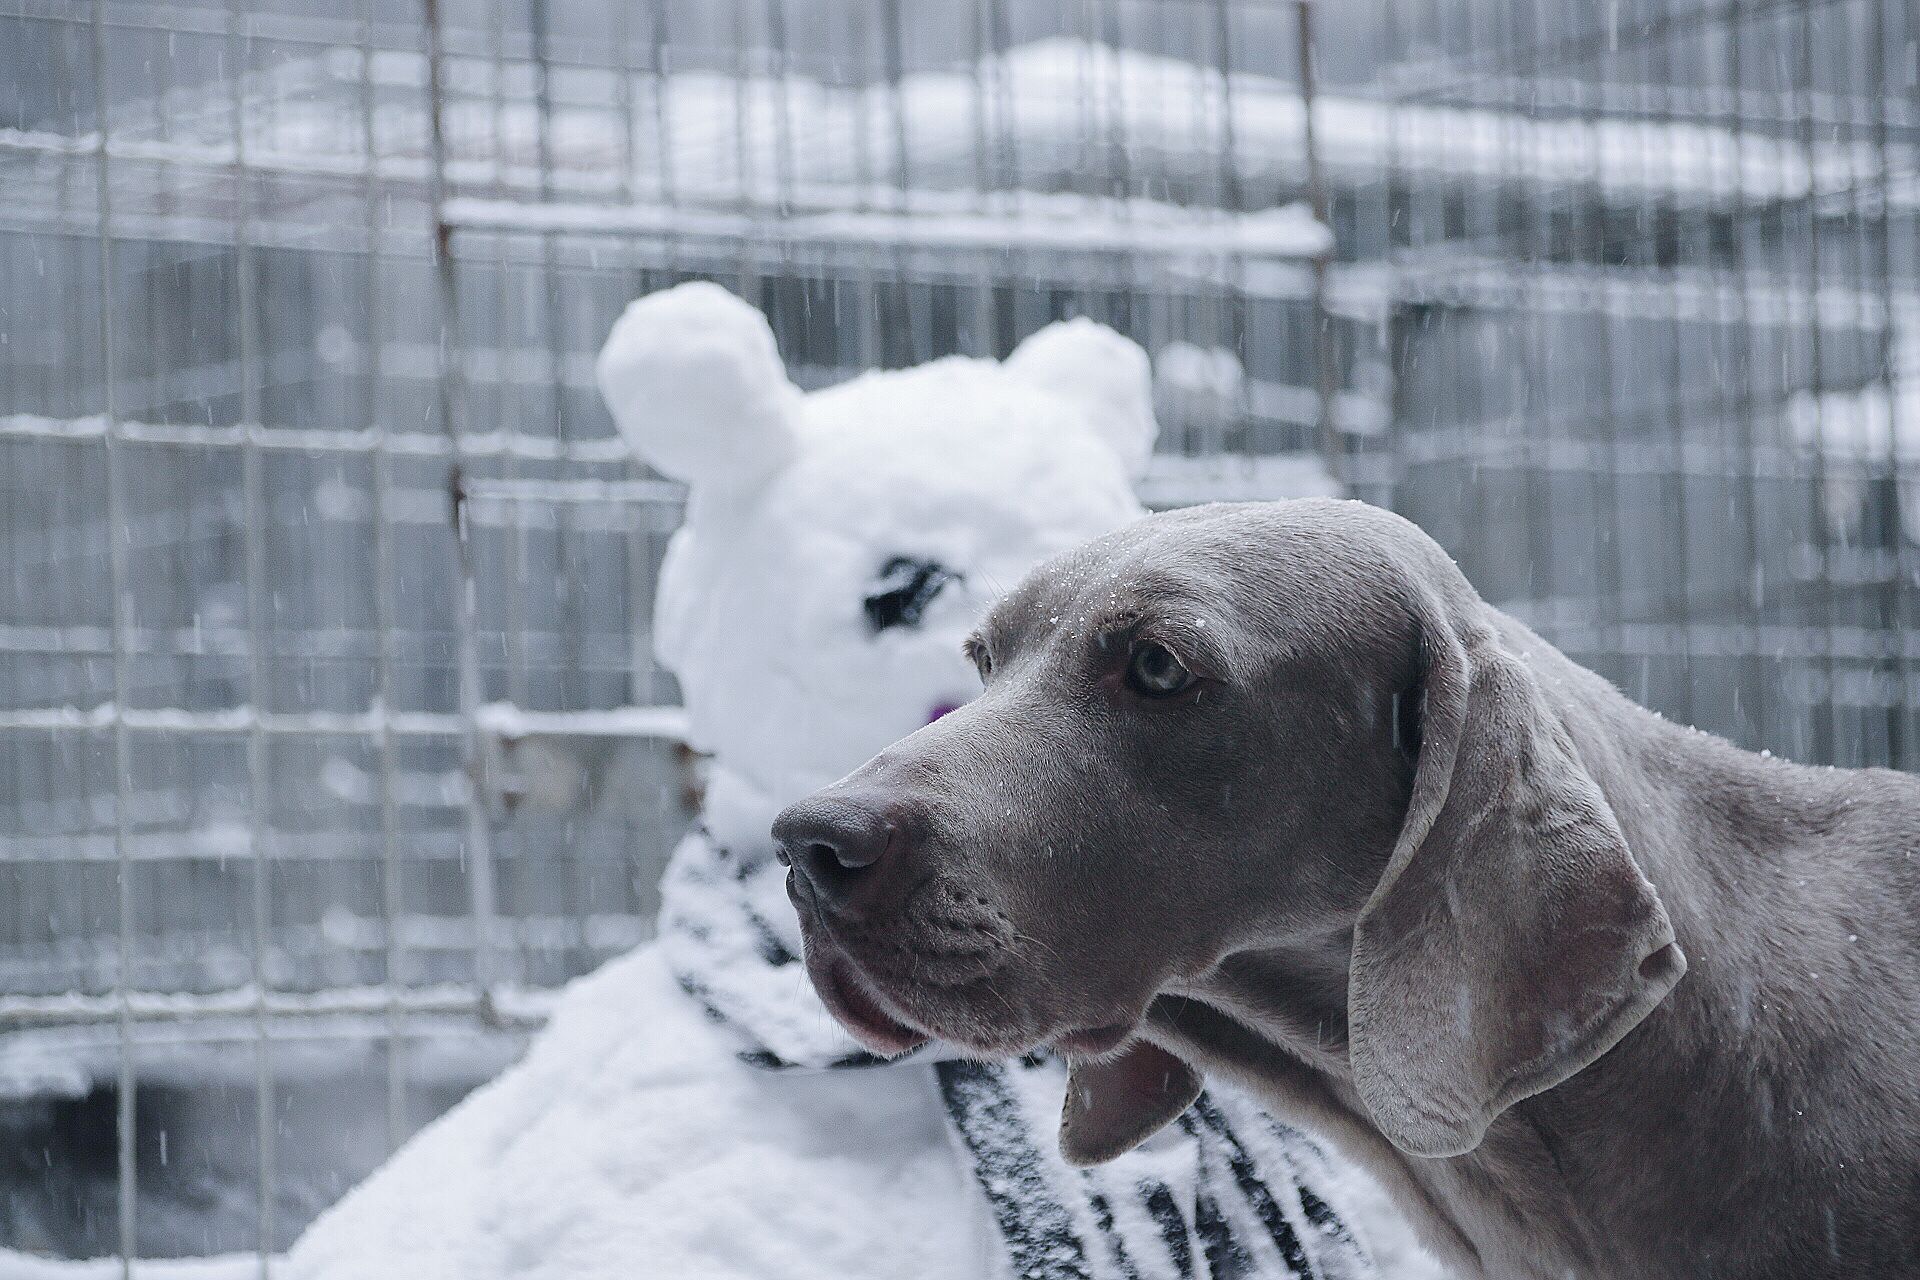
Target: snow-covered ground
(25, 1266)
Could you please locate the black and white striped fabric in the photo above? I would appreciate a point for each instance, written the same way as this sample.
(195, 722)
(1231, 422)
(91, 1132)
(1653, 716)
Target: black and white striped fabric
(1226, 1192)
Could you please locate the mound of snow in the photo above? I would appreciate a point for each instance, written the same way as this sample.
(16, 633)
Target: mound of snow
(25, 1266)
(632, 1098)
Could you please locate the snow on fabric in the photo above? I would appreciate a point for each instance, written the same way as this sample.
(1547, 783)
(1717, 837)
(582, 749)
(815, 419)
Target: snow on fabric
(639, 1137)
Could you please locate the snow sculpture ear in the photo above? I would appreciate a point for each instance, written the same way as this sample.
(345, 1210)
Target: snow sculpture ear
(695, 383)
(1109, 374)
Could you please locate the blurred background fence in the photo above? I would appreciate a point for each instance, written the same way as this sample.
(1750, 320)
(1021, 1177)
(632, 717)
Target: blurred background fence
(330, 735)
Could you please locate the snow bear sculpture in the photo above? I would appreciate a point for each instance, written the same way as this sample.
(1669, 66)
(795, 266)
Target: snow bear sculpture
(692, 1111)
(838, 546)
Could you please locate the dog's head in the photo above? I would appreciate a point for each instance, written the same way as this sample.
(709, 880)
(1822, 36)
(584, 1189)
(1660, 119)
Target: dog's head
(1284, 729)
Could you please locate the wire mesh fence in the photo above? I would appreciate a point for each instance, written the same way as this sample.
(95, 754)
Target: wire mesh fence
(1687, 456)
(330, 735)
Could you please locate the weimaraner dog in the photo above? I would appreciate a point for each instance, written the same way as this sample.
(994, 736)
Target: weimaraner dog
(1266, 792)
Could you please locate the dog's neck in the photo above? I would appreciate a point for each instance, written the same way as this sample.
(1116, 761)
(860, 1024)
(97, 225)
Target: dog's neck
(1701, 1091)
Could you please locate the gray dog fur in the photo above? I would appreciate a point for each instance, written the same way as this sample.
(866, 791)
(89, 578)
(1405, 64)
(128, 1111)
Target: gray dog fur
(1595, 995)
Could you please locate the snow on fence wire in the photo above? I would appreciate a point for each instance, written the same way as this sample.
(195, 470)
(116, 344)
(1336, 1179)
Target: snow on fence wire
(330, 735)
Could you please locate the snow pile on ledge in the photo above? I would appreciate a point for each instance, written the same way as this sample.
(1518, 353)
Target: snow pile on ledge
(1046, 109)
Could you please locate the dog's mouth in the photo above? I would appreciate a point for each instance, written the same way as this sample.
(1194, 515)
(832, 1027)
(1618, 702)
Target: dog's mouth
(1092, 1042)
(857, 1009)
(946, 989)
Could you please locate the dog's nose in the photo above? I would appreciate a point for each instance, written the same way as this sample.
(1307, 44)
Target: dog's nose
(833, 843)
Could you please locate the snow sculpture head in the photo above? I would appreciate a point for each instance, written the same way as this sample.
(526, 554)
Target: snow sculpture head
(839, 545)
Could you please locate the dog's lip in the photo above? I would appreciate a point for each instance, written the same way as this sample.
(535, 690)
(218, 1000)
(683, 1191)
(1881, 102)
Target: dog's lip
(859, 1012)
(1092, 1042)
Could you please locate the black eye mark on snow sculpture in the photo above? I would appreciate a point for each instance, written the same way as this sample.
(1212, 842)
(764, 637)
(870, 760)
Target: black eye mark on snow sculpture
(905, 588)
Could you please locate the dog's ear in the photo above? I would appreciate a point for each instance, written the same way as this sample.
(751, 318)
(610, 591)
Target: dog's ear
(1114, 1104)
(1512, 939)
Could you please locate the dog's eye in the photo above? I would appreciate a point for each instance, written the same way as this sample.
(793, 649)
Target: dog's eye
(905, 588)
(1153, 671)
